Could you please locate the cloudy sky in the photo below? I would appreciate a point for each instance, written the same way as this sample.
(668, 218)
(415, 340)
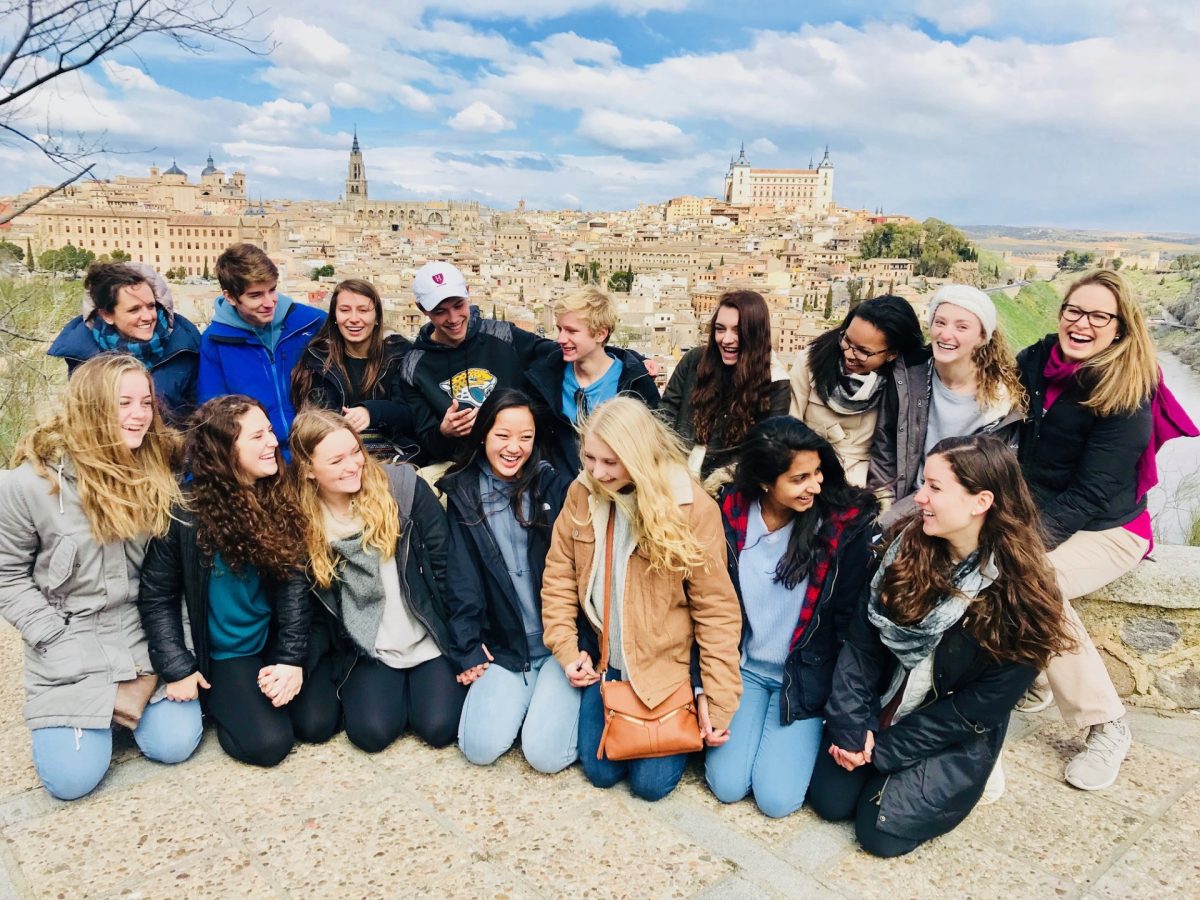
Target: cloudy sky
(1072, 113)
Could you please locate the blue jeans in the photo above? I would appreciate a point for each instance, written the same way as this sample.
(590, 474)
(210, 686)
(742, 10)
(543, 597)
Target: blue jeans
(71, 761)
(499, 702)
(650, 779)
(775, 761)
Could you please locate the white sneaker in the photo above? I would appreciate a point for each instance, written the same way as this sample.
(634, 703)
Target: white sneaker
(1098, 765)
(994, 789)
(1038, 697)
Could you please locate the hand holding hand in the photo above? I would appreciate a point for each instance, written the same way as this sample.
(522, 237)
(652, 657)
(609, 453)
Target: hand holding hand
(851, 760)
(580, 673)
(187, 688)
(356, 417)
(712, 737)
(280, 683)
(457, 422)
(467, 676)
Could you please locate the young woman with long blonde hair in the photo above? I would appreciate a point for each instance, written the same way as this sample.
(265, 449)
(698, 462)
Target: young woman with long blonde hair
(90, 487)
(670, 588)
(968, 385)
(1090, 387)
(377, 540)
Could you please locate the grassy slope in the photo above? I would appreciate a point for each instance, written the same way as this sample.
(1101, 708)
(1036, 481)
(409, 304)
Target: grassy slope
(1028, 316)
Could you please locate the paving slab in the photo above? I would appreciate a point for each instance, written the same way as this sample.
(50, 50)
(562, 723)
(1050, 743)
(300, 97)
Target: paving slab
(331, 821)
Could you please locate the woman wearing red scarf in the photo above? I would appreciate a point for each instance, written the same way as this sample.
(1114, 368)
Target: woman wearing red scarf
(1090, 389)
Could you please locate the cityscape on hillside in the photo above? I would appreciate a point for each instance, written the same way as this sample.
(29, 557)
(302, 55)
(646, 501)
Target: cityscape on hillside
(777, 231)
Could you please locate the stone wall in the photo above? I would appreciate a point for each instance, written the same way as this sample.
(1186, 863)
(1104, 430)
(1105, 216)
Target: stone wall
(1147, 627)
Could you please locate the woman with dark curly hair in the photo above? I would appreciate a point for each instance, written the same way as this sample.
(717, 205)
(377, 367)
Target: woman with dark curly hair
(720, 390)
(961, 615)
(235, 553)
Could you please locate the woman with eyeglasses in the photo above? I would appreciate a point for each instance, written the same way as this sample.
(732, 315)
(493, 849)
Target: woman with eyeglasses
(583, 372)
(1090, 387)
(967, 385)
(726, 386)
(838, 381)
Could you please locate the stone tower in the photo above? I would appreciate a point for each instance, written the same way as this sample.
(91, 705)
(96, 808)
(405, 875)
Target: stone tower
(737, 180)
(356, 173)
(823, 195)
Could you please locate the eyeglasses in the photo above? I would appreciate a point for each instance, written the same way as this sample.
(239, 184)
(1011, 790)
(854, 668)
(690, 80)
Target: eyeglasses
(1096, 318)
(862, 354)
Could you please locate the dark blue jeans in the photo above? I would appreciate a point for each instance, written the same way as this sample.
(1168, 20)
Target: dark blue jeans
(650, 779)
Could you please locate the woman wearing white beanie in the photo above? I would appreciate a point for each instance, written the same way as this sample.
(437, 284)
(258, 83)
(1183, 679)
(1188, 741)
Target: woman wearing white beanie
(968, 386)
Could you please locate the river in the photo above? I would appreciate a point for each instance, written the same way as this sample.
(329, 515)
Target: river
(1173, 502)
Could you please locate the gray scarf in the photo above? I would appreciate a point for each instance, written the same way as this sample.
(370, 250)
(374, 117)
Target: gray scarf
(912, 643)
(360, 590)
(854, 394)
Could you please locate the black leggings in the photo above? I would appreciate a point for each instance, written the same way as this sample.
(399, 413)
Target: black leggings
(379, 702)
(837, 795)
(250, 729)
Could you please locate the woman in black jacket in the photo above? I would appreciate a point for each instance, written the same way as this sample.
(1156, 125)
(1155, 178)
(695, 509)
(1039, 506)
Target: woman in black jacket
(351, 368)
(798, 550)
(582, 372)
(502, 500)
(961, 614)
(377, 562)
(1090, 388)
(234, 554)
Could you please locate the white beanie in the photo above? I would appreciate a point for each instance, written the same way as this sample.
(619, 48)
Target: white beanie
(972, 299)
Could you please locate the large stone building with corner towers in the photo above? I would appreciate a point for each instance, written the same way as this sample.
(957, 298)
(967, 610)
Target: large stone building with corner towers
(806, 190)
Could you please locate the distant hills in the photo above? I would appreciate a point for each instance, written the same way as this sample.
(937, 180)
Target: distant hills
(1171, 241)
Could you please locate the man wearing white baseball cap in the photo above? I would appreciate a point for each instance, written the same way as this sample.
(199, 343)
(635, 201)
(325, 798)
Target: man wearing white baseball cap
(458, 359)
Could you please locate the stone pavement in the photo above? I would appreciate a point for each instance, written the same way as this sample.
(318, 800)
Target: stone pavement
(334, 822)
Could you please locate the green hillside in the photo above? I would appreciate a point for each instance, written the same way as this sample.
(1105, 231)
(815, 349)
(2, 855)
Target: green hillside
(1028, 316)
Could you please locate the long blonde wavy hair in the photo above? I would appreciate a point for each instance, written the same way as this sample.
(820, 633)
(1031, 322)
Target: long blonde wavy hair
(1126, 371)
(373, 503)
(997, 375)
(125, 494)
(651, 453)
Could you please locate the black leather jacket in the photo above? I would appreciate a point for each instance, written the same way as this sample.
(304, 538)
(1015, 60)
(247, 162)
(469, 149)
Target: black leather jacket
(174, 570)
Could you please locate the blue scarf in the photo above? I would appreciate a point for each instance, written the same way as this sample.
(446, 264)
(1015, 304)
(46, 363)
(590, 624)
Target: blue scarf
(146, 352)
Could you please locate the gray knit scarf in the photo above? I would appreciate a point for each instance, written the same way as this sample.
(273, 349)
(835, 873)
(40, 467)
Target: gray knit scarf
(854, 394)
(912, 643)
(361, 591)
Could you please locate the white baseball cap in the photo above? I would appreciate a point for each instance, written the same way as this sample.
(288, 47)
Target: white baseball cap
(435, 282)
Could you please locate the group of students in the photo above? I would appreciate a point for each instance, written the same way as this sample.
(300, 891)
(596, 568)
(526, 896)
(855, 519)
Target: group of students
(279, 572)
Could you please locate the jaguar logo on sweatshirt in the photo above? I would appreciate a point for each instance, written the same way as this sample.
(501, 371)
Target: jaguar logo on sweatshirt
(470, 386)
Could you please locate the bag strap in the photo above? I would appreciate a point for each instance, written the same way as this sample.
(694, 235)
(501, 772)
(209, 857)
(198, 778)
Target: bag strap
(608, 561)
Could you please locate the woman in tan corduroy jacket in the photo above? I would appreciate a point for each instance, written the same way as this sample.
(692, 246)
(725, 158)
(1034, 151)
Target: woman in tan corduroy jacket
(671, 590)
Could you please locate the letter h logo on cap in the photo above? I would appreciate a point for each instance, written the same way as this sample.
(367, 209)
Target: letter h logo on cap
(438, 278)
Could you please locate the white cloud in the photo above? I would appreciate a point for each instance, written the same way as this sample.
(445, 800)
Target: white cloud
(763, 145)
(479, 117)
(621, 132)
(310, 46)
(956, 16)
(568, 47)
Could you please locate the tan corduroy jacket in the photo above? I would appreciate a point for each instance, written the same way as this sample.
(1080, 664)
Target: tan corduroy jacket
(663, 613)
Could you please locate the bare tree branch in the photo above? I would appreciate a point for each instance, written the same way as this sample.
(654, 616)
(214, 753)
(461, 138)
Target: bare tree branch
(13, 213)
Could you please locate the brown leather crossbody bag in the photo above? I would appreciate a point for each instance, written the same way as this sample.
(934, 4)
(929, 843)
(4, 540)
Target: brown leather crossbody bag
(633, 730)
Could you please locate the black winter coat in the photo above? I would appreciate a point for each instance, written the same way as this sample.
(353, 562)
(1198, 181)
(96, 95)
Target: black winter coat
(176, 569)
(545, 379)
(484, 608)
(390, 415)
(808, 669)
(1080, 466)
(421, 560)
(938, 757)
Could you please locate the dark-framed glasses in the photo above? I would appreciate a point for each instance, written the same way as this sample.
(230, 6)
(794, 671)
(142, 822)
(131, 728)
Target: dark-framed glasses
(862, 354)
(1096, 318)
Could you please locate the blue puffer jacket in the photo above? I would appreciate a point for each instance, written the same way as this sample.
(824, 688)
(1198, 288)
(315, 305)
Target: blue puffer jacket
(174, 375)
(235, 360)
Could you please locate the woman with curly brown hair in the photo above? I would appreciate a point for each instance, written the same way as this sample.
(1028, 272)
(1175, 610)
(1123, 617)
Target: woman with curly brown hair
(965, 383)
(962, 614)
(722, 389)
(235, 553)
